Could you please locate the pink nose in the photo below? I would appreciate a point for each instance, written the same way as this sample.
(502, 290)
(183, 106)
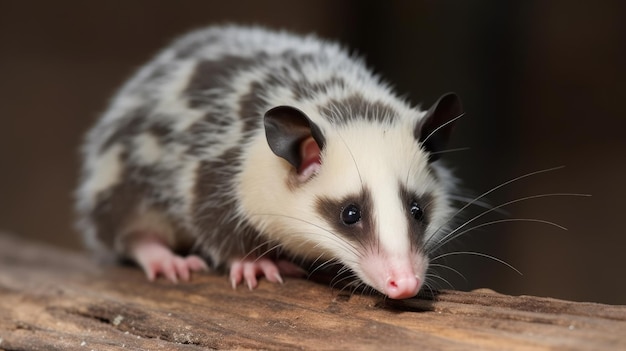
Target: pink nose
(402, 287)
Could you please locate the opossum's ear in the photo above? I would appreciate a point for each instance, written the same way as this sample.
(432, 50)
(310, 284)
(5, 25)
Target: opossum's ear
(293, 136)
(433, 131)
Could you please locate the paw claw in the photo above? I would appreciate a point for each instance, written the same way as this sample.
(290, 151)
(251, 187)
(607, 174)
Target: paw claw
(195, 263)
(236, 274)
(150, 275)
(279, 278)
(249, 273)
(249, 269)
(251, 285)
(233, 283)
(182, 268)
(169, 271)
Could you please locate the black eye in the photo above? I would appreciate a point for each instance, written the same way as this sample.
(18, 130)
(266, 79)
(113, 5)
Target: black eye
(416, 211)
(350, 214)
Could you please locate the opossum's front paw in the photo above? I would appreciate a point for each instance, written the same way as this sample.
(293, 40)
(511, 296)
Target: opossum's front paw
(248, 269)
(156, 258)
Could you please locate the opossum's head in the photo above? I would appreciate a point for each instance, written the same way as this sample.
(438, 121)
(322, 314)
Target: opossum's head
(364, 193)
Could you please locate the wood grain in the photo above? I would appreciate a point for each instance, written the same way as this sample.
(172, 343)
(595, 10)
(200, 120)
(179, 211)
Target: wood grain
(51, 299)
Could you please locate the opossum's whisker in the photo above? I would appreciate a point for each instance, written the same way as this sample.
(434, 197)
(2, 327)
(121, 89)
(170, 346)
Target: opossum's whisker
(346, 244)
(272, 248)
(336, 281)
(438, 265)
(314, 263)
(442, 279)
(450, 150)
(357, 287)
(352, 287)
(301, 261)
(344, 269)
(447, 237)
(369, 290)
(466, 199)
(346, 274)
(328, 262)
(441, 126)
(489, 192)
(478, 254)
(430, 284)
(343, 244)
(430, 280)
(415, 151)
(344, 260)
(427, 286)
(317, 245)
(252, 251)
(425, 207)
(356, 166)
(292, 218)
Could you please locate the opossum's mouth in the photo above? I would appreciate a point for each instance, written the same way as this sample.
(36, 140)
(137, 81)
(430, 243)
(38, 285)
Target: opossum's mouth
(396, 285)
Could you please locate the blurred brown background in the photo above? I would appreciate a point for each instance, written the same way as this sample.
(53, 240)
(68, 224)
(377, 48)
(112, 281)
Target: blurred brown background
(540, 81)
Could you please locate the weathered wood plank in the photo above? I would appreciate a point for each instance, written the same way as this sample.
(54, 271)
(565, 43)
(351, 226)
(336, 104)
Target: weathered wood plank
(51, 299)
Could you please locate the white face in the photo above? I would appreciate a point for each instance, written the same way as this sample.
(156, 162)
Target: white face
(369, 200)
(371, 206)
(385, 181)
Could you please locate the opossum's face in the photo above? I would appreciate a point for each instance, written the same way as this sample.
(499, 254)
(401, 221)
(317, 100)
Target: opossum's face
(373, 193)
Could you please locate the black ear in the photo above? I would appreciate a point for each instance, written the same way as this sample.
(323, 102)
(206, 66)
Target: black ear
(434, 130)
(286, 128)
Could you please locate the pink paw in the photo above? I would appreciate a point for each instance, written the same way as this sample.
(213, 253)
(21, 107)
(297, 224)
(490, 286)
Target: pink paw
(155, 258)
(249, 268)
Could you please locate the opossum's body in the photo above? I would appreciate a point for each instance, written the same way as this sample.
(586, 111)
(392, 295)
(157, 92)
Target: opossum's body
(184, 161)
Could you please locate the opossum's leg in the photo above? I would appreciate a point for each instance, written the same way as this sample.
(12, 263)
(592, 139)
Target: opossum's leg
(156, 258)
(248, 269)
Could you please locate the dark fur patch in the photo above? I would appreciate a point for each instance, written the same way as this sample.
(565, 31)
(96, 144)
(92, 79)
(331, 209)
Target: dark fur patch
(297, 60)
(214, 210)
(215, 75)
(416, 227)
(114, 210)
(119, 206)
(162, 131)
(307, 90)
(195, 136)
(361, 233)
(131, 125)
(251, 105)
(357, 107)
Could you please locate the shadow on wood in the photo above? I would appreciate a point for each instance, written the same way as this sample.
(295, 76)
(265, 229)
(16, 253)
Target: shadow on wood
(59, 300)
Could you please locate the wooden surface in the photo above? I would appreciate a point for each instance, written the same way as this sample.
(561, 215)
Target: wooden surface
(52, 299)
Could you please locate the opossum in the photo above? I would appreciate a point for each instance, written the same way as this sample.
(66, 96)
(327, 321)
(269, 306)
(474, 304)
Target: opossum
(259, 153)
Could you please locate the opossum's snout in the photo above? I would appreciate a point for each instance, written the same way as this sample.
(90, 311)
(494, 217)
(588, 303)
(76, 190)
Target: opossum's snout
(402, 288)
(396, 278)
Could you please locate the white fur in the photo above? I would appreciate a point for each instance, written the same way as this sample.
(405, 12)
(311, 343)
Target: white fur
(147, 149)
(106, 172)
